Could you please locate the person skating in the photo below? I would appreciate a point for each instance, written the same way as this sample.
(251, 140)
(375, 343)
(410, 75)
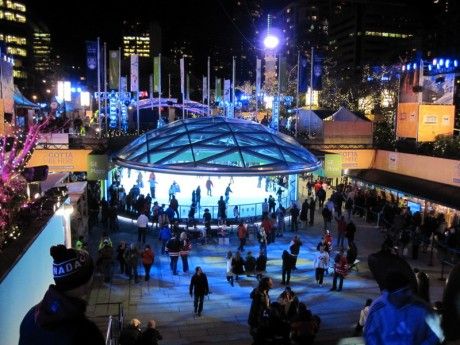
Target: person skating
(60, 316)
(228, 190)
(198, 289)
(209, 186)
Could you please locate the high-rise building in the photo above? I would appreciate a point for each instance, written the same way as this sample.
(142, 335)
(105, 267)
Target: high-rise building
(16, 37)
(41, 49)
(373, 32)
(141, 39)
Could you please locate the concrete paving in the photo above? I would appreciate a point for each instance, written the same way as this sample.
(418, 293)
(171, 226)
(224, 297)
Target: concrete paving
(224, 321)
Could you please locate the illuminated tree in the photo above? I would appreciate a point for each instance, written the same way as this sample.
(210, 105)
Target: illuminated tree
(13, 159)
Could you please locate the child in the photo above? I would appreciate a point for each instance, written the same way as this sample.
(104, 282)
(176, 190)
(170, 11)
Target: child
(229, 259)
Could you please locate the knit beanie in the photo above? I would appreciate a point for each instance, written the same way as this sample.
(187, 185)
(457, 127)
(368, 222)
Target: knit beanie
(71, 268)
(395, 280)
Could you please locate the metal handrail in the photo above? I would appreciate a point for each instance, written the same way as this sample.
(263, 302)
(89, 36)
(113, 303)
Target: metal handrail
(108, 334)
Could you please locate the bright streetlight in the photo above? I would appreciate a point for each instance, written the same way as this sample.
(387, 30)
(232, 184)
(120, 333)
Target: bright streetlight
(271, 41)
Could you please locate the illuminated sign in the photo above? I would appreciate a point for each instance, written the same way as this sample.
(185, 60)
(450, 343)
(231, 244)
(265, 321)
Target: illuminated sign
(61, 160)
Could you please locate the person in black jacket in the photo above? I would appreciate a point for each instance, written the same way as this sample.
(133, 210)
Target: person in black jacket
(198, 288)
(131, 334)
(60, 317)
(288, 264)
(151, 335)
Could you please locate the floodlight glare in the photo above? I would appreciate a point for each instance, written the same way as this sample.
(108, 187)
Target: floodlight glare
(271, 42)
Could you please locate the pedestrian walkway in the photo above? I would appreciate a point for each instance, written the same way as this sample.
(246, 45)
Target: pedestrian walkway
(165, 297)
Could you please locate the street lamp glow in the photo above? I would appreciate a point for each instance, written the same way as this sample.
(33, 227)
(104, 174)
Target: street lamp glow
(271, 42)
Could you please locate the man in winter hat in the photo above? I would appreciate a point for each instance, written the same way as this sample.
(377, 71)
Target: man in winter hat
(60, 317)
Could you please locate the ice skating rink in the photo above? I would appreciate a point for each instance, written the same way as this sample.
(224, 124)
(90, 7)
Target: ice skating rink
(245, 191)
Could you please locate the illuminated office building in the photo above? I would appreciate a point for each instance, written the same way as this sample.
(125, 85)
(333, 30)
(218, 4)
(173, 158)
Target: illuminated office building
(140, 39)
(15, 37)
(373, 32)
(41, 49)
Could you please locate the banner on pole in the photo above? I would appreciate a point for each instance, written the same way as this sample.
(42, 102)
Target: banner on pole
(282, 74)
(227, 90)
(258, 76)
(124, 84)
(182, 76)
(317, 72)
(302, 77)
(134, 73)
(218, 92)
(91, 63)
(114, 69)
(205, 89)
(156, 74)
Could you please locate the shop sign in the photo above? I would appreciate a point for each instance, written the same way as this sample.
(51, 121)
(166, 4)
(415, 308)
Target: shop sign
(61, 160)
(332, 165)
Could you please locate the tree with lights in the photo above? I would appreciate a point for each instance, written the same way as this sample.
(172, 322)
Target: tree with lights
(13, 159)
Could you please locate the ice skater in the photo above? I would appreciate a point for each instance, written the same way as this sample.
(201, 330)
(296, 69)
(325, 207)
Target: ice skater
(228, 190)
(209, 186)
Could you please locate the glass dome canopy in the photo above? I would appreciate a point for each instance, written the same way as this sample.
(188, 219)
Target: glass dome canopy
(216, 146)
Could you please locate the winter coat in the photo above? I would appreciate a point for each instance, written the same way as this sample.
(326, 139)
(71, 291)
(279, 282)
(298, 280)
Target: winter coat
(288, 260)
(238, 266)
(147, 257)
(150, 337)
(259, 307)
(173, 247)
(199, 285)
(130, 335)
(59, 319)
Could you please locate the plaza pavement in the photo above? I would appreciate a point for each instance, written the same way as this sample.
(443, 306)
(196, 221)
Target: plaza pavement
(224, 321)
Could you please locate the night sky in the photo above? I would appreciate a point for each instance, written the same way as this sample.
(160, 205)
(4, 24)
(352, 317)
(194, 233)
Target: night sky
(202, 22)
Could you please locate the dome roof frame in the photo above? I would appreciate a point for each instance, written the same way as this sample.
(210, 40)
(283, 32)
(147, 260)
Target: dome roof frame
(216, 146)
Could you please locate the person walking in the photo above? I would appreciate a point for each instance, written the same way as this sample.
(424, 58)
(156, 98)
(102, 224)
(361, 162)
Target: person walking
(237, 265)
(340, 270)
(321, 264)
(60, 316)
(294, 215)
(362, 318)
(312, 207)
(120, 256)
(304, 212)
(288, 264)
(258, 319)
(173, 248)
(350, 231)
(281, 224)
(142, 223)
(228, 261)
(198, 289)
(105, 261)
(148, 257)
(242, 232)
(164, 237)
(132, 260)
(294, 248)
(341, 230)
(321, 195)
(185, 247)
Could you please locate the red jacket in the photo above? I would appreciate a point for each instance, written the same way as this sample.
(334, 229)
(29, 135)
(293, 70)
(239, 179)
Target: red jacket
(148, 257)
(341, 267)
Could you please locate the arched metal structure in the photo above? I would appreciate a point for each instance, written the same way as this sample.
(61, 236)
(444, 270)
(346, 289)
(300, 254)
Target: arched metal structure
(217, 146)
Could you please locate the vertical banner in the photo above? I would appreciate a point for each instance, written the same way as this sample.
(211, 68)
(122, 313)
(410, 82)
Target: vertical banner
(275, 113)
(317, 72)
(205, 90)
(156, 74)
(113, 110)
(124, 84)
(151, 87)
(282, 74)
(114, 69)
(227, 90)
(91, 64)
(187, 87)
(218, 92)
(134, 87)
(302, 77)
(7, 86)
(333, 165)
(258, 77)
(182, 76)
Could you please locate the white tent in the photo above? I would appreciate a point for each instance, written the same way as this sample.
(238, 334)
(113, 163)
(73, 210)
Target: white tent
(344, 114)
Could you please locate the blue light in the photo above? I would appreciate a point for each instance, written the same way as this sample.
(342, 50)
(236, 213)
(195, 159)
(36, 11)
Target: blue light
(447, 63)
(435, 61)
(72, 89)
(78, 89)
(414, 65)
(429, 67)
(408, 67)
(441, 62)
(455, 63)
